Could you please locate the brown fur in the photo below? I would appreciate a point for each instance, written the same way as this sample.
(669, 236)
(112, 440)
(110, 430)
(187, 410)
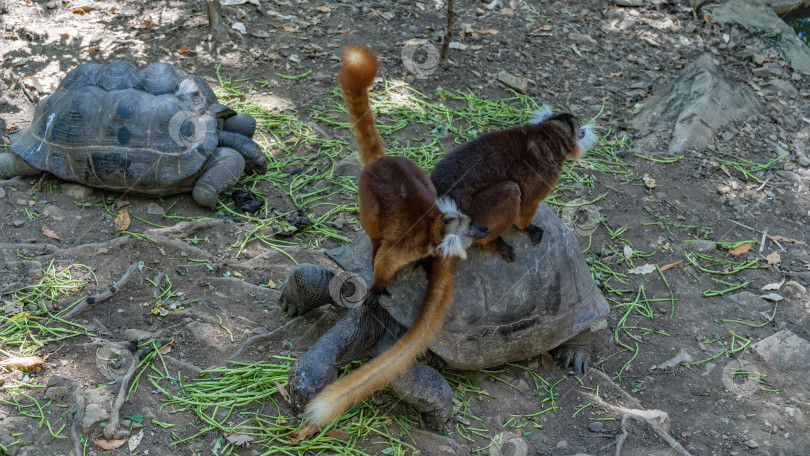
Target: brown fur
(399, 212)
(500, 178)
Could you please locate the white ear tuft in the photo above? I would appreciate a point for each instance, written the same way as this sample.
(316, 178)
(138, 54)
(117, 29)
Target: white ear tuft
(541, 114)
(446, 205)
(451, 246)
(587, 137)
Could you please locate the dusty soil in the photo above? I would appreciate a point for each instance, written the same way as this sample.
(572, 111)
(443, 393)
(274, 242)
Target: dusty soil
(583, 57)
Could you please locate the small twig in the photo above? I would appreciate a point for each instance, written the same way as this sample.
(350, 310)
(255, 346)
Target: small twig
(758, 231)
(260, 337)
(448, 34)
(620, 439)
(763, 184)
(185, 228)
(762, 242)
(115, 418)
(104, 295)
(77, 417)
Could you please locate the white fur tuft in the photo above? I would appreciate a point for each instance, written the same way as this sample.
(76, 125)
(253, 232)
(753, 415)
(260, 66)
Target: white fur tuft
(541, 114)
(317, 410)
(452, 246)
(589, 139)
(446, 205)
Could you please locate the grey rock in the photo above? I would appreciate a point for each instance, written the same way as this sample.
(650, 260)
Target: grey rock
(793, 289)
(692, 108)
(632, 3)
(2, 193)
(779, 85)
(137, 334)
(562, 445)
(804, 162)
(786, 352)
(93, 414)
(205, 333)
(154, 209)
(781, 7)
(349, 166)
(758, 59)
(516, 82)
(702, 246)
(78, 191)
(643, 85)
(18, 223)
(596, 426)
(762, 72)
(22, 202)
(764, 27)
(751, 444)
(434, 444)
(51, 5)
(54, 212)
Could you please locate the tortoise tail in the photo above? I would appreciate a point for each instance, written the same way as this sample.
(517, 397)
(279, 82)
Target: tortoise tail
(357, 71)
(347, 392)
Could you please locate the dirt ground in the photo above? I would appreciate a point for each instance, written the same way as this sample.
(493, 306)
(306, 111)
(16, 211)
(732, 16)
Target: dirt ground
(586, 57)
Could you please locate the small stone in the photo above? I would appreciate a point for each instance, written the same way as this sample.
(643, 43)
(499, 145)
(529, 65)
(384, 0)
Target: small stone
(751, 444)
(2, 193)
(804, 162)
(458, 46)
(596, 426)
(516, 82)
(632, 3)
(642, 85)
(758, 59)
(93, 414)
(796, 77)
(339, 223)
(349, 166)
(137, 334)
(77, 191)
(703, 246)
(22, 202)
(18, 223)
(793, 289)
(761, 72)
(51, 5)
(562, 445)
(154, 209)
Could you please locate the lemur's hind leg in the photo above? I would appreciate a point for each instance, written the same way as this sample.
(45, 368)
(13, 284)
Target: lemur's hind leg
(524, 220)
(497, 207)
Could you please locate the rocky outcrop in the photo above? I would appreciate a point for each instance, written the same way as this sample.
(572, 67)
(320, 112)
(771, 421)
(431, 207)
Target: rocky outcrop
(688, 112)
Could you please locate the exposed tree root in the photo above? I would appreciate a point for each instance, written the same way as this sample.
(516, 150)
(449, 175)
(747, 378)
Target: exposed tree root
(104, 295)
(645, 416)
(264, 336)
(184, 229)
(37, 249)
(115, 413)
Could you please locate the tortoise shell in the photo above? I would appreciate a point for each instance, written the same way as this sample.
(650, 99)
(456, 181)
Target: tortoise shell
(120, 128)
(502, 312)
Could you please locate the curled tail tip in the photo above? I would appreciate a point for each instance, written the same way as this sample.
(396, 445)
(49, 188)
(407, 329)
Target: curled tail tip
(358, 67)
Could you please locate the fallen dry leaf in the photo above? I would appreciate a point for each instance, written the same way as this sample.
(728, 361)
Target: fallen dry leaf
(305, 432)
(739, 250)
(773, 286)
(110, 444)
(166, 348)
(489, 32)
(670, 266)
(566, 63)
(25, 363)
(323, 9)
(786, 239)
(616, 75)
(91, 49)
(122, 221)
(240, 440)
(649, 182)
(641, 270)
(338, 434)
(50, 233)
(185, 50)
(287, 28)
(773, 258)
(284, 393)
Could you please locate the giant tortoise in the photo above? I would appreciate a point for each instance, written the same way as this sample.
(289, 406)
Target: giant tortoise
(502, 312)
(155, 131)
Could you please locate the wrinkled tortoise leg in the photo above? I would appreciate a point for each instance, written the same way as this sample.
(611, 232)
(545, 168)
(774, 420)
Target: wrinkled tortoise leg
(576, 352)
(358, 331)
(307, 288)
(222, 169)
(244, 124)
(12, 165)
(254, 158)
(423, 387)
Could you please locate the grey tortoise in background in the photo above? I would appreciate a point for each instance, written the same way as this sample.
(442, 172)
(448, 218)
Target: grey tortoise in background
(502, 312)
(156, 131)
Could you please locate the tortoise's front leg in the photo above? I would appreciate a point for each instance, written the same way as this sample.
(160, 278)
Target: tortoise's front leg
(12, 165)
(355, 333)
(222, 169)
(423, 387)
(306, 288)
(254, 158)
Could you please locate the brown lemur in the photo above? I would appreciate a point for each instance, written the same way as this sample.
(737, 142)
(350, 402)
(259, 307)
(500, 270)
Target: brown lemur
(500, 178)
(405, 222)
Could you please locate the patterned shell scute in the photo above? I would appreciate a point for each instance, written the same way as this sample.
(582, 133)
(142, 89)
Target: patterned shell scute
(502, 312)
(121, 128)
